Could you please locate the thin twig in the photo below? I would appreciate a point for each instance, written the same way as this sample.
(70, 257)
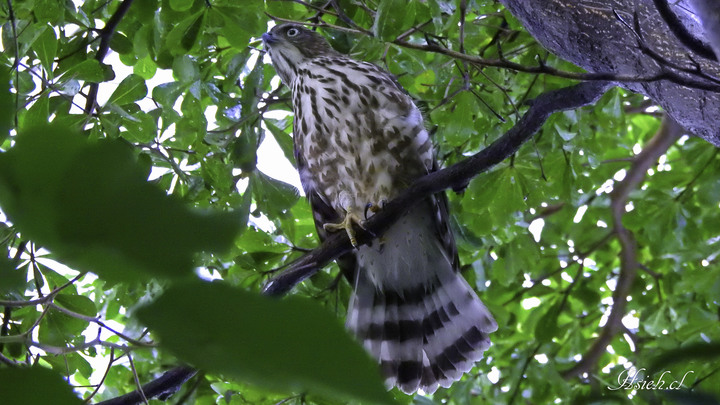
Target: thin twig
(16, 62)
(106, 35)
(102, 380)
(137, 380)
(668, 134)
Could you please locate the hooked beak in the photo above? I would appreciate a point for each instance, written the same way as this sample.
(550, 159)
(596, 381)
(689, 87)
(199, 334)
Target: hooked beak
(268, 38)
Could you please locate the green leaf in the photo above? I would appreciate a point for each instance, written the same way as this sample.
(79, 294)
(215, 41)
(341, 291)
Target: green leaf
(145, 68)
(565, 134)
(120, 43)
(273, 195)
(77, 303)
(284, 140)
(181, 5)
(390, 17)
(288, 345)
(185, 69)
(167, 93)
(45, 47)
(58, 329)
(141, 128)
(90, 204)
(17, 380)
(37, 114)
(89, 70)
(547, 325)
(131, 89)
(656, 322)
(218, 173)
(698, 351)
(182, 38)
(10, 277)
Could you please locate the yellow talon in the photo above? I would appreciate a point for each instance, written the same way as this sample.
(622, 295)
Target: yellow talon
(347, 226)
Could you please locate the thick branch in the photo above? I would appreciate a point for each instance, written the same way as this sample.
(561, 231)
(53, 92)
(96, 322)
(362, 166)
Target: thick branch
(693, 43)
(709, 14)
(663, 74)
(456, 176)
(163, 386)
(667, 135)
(105, 36)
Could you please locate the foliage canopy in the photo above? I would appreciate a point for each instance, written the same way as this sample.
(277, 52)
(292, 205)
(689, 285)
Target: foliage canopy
(188, 105)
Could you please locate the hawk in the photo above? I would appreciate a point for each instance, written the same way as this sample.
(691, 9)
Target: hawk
(359, 141)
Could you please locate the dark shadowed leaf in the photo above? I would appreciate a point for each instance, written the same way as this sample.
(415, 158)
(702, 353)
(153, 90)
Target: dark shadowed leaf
(184, 35)
(290, 345)
(275, 196)
(51, 387)
(697, 351)
(90, 203)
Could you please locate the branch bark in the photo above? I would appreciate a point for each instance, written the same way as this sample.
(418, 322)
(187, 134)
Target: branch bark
(709, 14)
(590, 35)
(666, 136)
(164, 386)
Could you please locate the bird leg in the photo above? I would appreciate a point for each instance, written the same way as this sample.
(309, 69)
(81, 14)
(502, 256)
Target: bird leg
(347, 225)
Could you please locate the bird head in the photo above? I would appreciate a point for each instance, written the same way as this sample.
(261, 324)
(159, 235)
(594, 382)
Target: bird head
(290, 45)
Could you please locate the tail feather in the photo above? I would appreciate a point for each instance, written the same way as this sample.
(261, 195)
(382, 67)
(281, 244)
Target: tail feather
(425, 344)
(460, 332)
(414, 312)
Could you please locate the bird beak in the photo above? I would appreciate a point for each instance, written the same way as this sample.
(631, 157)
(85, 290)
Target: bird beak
(268, 38)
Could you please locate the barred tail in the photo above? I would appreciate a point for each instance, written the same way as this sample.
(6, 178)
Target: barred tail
(414, 313)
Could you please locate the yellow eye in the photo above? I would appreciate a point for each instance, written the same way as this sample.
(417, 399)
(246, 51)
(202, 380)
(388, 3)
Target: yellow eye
(292, 32)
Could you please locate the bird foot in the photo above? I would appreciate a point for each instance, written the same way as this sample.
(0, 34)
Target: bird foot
(347, 226)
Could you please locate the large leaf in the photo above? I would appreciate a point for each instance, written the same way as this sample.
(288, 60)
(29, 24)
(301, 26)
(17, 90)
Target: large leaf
(274, 195)
(289, 345)
(131, 89)
(182, 38)
(390, 17)
(89, 203)
(49, 387)
(46, 47)
(89, 70)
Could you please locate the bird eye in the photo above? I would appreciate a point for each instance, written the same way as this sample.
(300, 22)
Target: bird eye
(292, 32)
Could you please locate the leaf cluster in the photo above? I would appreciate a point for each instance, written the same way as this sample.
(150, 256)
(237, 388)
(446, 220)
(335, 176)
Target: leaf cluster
(115, 218)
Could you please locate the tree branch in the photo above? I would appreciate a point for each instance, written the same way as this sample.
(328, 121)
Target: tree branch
(693, 43)
(164, 386)
(704, 83)
(105, 36)
(667, 135)
(709, 14)
(456, 177)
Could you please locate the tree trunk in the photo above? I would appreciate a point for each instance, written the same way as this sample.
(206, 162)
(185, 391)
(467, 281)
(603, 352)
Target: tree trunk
(591, 35)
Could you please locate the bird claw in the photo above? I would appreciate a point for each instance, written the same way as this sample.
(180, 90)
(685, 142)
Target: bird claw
(347, 225)
(374, 208)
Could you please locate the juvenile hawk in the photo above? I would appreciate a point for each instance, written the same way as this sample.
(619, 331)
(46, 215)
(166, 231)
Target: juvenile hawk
(359, 141)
